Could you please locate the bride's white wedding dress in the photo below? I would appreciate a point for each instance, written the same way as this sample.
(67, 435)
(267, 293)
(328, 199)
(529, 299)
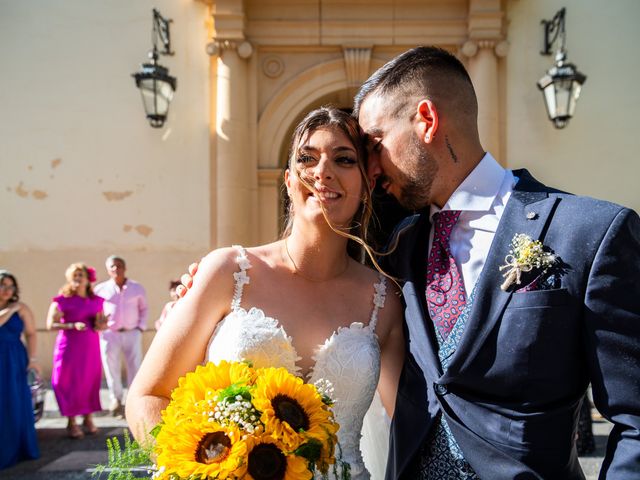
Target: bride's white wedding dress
(349, 359)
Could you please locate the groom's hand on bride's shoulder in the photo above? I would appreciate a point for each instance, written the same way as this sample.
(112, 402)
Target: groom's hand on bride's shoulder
(187, 280)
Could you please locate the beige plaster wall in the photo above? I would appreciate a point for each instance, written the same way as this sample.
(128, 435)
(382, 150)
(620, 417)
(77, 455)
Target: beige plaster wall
(80, 165)
(597, 154)
(82, 174)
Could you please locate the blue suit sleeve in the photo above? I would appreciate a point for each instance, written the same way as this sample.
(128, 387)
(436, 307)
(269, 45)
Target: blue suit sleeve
(612, 336)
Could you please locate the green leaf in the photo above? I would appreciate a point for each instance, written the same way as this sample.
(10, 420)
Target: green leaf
(311, 450)
(234, 390)
(156, 430)
(122, 461)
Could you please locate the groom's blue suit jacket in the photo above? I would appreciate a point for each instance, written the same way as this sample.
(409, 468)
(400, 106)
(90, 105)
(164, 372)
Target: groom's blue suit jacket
(512, 391)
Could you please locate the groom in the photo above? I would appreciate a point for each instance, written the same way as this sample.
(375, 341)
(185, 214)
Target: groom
(497, 364)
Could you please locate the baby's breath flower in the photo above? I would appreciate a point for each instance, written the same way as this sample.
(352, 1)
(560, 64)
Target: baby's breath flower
(159, 472)
(525, 255)
(325, 389)
(236, 410)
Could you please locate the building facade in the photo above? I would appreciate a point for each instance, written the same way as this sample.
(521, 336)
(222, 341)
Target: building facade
(84, 176)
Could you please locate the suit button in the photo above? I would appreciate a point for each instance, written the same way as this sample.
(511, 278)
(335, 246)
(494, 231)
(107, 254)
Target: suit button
(440, 389)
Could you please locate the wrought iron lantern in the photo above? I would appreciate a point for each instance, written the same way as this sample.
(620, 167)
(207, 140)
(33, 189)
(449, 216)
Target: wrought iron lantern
(153, 80)
(562, 83)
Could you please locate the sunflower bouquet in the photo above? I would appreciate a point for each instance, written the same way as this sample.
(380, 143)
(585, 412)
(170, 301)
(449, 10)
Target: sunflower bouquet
(233, 421)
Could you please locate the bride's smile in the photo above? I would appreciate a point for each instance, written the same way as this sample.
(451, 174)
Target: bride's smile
(323, 194)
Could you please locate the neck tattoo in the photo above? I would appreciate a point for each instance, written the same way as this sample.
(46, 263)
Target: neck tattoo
(454, 157)
(296, 270)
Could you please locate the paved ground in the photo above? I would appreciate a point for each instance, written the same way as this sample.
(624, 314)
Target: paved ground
(61, 457)
(65, 459)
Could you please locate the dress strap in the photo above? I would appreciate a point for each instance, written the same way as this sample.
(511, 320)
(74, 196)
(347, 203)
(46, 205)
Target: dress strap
(240, 277)
(378, 300)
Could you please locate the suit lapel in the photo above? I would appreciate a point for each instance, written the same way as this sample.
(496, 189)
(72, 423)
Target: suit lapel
(527, 211)
(421, 331)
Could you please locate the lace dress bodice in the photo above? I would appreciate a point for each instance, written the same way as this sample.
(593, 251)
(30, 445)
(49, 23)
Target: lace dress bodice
(349, 359)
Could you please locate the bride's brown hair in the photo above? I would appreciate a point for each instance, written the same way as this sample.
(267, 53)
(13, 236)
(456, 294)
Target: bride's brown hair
(331, 117)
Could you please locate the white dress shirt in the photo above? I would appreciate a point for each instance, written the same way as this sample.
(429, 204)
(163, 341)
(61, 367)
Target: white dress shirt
(481, 198)
(127, 306)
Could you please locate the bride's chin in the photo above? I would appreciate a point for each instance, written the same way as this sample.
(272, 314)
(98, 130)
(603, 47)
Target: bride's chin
(316, 214)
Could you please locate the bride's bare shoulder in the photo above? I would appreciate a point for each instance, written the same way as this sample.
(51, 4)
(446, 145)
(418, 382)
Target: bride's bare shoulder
(269, 254)
(219, 264)
(220, 258)
(227, 260)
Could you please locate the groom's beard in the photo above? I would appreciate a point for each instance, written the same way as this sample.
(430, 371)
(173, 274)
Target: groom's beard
(416, 182)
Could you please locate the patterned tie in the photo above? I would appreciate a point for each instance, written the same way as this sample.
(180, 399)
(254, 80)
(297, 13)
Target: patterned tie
(445, 292)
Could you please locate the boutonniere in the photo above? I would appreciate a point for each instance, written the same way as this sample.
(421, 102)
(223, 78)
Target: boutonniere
(525, 256)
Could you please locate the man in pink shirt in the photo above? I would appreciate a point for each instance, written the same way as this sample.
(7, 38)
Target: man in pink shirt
(125, 305)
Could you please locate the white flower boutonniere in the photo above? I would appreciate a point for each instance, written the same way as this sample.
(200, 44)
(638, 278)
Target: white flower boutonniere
(525, 255)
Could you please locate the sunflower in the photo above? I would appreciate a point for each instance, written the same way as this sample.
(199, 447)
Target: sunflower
(197, 391)
(267, 459)
(200, 449)
(210, 378)
(292, 411)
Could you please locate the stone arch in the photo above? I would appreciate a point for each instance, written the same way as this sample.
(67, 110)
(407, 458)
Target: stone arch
(291, 99)
(287, 104)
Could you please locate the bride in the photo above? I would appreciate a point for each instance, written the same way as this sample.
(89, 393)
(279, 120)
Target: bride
(302, 303)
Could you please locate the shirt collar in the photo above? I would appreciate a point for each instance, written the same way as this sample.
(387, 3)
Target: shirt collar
(478, 191)
(115, 285)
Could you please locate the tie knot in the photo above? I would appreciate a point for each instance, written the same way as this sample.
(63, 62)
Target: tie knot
(443, 223)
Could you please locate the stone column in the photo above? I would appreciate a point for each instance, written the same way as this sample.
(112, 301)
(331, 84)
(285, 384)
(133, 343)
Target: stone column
(484, 46)
(235, 182)
(269, 182)
(236, 179)
(483, 69)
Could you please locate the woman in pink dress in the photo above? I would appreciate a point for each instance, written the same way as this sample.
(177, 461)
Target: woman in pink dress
(77, 369)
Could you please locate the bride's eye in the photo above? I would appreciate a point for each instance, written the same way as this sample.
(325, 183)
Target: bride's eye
(305, 158)
(345, 160)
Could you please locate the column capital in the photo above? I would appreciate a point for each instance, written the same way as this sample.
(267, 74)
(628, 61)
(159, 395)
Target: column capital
(217, 46)
(501, 48)
(471, 47)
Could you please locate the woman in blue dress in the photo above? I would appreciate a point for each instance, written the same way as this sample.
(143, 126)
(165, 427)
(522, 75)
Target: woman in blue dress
(17, 427)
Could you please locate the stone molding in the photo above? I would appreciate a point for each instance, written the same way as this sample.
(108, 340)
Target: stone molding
(356, 61)
(243, 48)
(272, 66)
(291, 99)
(228, 20)
(470, 48)
(269, 177)
(341, 32)
(486, 20)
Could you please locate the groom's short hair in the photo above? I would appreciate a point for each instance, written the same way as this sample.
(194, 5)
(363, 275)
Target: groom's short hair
(422, 71)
